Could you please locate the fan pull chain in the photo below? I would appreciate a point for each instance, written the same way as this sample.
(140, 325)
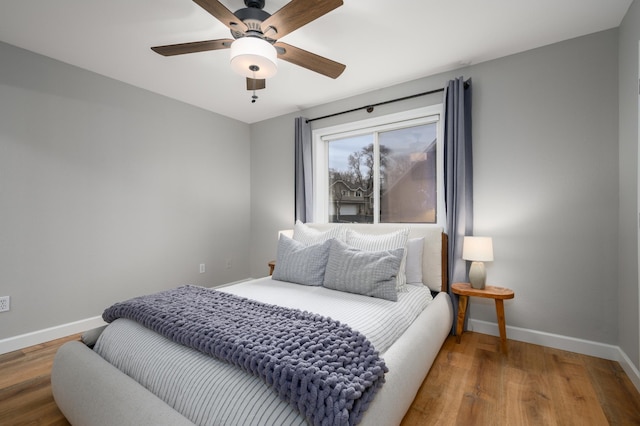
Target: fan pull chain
(254, 97)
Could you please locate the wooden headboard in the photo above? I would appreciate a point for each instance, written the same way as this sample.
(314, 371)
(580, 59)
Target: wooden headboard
(434, 259)
(445, 263)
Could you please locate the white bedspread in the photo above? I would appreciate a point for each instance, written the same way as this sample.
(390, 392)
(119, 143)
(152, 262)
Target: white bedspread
(211, 392)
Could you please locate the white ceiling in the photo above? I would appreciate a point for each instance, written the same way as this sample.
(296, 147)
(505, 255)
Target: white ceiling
(382, 43)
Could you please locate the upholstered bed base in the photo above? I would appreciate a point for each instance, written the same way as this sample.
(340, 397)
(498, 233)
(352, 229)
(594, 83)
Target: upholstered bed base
(92, 392)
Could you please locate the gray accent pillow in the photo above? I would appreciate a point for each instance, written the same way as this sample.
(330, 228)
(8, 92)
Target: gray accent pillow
(370, 273)
(378, 242)
(299, 263)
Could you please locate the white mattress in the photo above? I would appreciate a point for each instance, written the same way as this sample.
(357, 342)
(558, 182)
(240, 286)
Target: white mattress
(208, 391)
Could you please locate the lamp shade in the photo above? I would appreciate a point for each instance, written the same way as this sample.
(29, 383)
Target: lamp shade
(254, 58)
(478, 249)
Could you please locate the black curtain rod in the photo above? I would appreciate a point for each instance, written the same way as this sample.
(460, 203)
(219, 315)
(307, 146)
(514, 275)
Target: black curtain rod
(369, 108)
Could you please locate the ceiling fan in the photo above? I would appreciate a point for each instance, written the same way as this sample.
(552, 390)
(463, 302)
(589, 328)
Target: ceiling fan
(255, 44)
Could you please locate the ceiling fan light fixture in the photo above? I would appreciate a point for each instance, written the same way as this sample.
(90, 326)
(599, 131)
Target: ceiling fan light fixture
(254, 58)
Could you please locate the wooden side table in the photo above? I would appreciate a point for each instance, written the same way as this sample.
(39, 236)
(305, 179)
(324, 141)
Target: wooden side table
(272, 264)
(499, 294)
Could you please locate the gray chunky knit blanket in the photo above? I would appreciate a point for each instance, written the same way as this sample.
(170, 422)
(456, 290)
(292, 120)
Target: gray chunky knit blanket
(326, 370)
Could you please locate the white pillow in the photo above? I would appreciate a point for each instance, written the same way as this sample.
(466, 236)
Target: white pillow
(381, 242)
(307, 235)
(415, 247)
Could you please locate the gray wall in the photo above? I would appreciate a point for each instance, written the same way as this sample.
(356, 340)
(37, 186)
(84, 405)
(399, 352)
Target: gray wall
(546, 180)
(108, 191)
(629, 319)
(546, 184)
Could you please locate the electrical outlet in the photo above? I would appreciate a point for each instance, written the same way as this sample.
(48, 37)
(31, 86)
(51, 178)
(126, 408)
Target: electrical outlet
(5, 303)
(202, 268)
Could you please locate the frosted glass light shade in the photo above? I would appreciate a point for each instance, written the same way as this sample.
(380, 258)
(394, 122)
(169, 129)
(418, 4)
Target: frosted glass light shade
(254, 58)
(479, 249)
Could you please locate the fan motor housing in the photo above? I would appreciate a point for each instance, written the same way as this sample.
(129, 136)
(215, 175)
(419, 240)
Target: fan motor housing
(252, 18)
(251, 14)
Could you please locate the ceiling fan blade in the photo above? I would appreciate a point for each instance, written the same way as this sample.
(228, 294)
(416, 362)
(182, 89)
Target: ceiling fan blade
(222, 14)
(295, 14)
(193, 47)
(309, 60)
(255, 84)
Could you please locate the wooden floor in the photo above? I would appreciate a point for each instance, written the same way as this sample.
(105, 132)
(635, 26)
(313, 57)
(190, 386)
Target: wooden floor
(25, 386)
(470, 383)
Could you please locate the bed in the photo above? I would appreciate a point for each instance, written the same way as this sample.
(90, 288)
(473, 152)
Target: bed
(128, 374)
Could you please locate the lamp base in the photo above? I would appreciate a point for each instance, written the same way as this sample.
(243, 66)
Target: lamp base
(477, 275)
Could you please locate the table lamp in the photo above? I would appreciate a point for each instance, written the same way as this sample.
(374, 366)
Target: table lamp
(478, 250)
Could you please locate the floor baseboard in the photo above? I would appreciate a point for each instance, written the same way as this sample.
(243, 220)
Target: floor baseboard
(22, 341)
(571, 344)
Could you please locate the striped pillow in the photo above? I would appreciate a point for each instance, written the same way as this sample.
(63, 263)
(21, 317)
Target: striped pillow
(371, 273)
(307, 235)
(381, 242)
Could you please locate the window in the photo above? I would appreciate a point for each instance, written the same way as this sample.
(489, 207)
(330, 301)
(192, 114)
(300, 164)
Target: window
(382, 170)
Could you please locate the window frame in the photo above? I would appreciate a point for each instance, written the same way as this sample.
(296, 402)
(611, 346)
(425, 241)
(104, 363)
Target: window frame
(321, 138)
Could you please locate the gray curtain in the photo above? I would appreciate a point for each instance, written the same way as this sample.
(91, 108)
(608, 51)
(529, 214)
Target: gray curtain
(458, 176)
(303, 171)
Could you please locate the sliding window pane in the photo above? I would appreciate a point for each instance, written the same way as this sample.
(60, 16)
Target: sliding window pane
(408, 175)
(351, 179)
